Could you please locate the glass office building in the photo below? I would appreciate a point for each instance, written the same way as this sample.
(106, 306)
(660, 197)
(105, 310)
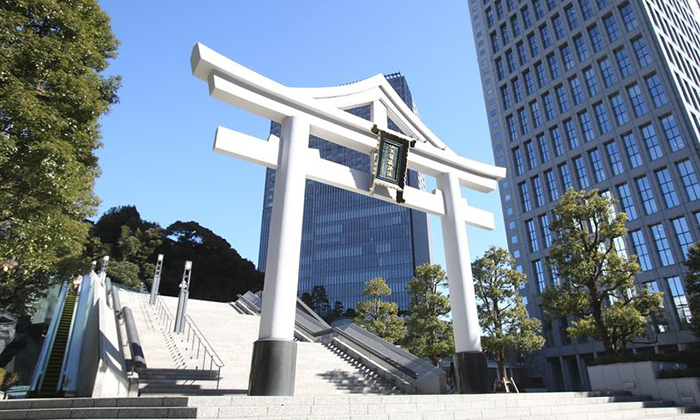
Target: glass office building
(596, 94)
(348, 238)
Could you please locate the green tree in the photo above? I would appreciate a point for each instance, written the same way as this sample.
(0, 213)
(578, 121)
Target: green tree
(319, 301)
(430, 333)
(692, 284)
(51, 97)
(377, 316)
(596, 281)
(502, 315)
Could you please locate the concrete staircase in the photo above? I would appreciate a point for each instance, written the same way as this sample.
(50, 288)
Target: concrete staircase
(175, 369)
(546, 406)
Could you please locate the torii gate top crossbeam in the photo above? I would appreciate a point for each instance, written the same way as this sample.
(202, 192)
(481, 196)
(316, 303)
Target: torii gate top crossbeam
(242, 87)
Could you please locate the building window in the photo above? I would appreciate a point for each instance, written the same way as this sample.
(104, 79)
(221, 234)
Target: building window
(608, 73)
(591, 81)
(679, 300)
(529, 84)
(597, 162)
(647, 195)
(571, 134)
(515, 24)
(586, 126)
(571, 17)
(539, 275)
(505, 96)
(642, 52)
(500, 69)
(690, 180)
(565, 176)
(620, 110)
(524, 123)
(531, 156)
(556, 140)
(667, 188)
(539, 10)
(602, 117)
(517, 90)
(512, 130)
(536, 115)
(685, 241)
(546, 234)
(495, 45)
(576, 90)
(612, 28)
(510, 60)
(534, 46)
(627, 201)
(562, 98)
(662, 245)
(544, 148)
(673, 134)
(586, 9)
(567, 57)
(525, 197)
(614, 158)
(559, 30)
(546, 36)
(537, 187)
(658, 95)
(548, 107)
(652, 142)
(638, 104)
(596, 38)
(632, 149)
(518, 159)
(628, 17)
(522, 54)
(580, 166)
(640, 248)
(541, 74)
(623, 62)
(657, 318)
(581, 48)
(552, 186)
(532, 235)
(553, 64)
(527, 18)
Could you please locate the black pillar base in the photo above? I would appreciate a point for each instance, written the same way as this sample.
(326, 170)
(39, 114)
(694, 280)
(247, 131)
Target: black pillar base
(471, 372)
(273, 368)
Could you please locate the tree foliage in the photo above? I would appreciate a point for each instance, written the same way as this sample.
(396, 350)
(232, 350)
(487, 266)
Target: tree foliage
(597, 282)
(430, 333)
(692, 282)
(51, 97)
(218, 272)
(502, 315)
(378, 316)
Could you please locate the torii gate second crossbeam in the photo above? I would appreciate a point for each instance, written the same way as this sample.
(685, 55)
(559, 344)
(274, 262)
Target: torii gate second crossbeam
(320, 112)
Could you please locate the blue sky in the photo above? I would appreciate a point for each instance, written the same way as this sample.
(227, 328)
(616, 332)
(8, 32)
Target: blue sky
(157, 141)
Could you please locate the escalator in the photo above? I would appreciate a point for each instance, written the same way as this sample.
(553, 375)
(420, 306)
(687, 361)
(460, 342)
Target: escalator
(58, 351)
(47, 373)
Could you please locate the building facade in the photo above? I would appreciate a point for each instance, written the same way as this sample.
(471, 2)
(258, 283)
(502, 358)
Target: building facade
(347, 238)
(596, 94)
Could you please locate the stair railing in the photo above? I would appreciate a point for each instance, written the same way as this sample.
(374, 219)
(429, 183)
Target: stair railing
(203, 345)
(40, 369)
(164, 315)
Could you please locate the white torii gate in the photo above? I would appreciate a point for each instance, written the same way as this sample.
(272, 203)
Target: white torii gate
(320, 112)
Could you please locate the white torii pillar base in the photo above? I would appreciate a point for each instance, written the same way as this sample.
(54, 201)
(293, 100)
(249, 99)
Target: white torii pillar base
(469, 361)
(273, 367)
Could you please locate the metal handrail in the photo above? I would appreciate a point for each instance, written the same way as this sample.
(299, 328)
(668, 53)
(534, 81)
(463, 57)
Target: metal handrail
(203, 343)
(164, 315)
(40, 369)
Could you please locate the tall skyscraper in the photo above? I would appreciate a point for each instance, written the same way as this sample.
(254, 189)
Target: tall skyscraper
(347, 238)
(596, 94)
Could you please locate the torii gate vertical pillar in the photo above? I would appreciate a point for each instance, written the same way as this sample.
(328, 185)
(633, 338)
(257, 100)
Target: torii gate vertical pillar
(274, 354)
(470, 367)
